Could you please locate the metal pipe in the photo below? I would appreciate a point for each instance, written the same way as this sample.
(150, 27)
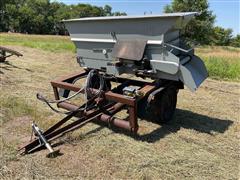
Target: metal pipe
(115, 121)
(38, 132)
(104, 117)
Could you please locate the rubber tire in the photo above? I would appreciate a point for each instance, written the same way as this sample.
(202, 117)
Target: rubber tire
(161, 109)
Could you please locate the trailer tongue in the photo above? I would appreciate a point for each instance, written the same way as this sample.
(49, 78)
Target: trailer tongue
(107, 47)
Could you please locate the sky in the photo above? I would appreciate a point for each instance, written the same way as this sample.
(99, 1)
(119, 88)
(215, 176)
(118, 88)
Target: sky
(227, 11)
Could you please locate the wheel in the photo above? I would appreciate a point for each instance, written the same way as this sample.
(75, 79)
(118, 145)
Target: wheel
(161, 109)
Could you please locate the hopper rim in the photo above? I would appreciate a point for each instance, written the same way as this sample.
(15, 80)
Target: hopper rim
(103, 18)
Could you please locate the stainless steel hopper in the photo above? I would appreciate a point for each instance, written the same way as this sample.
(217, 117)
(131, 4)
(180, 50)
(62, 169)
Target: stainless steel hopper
(147, 45)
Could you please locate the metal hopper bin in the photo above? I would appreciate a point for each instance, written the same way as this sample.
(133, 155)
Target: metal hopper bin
(111, 48)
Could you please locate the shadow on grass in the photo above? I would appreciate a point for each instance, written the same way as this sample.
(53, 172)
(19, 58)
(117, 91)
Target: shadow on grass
(183, 119)
(9, 67)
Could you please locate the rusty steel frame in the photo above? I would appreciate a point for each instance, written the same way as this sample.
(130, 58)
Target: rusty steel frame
(113, 103)
(55, 131)
(129, 123)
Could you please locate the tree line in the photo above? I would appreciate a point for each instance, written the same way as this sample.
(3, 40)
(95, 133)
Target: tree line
(201, 29)
(44, 17)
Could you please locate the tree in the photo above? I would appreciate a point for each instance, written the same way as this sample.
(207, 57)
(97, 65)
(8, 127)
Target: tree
(107, 10)
(236, 41)
(200, 28)
(44, 16)
(4, 19)
(119, 13)
(221, 36)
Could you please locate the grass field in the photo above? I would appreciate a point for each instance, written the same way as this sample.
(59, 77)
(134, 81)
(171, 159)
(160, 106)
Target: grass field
(202, 141)
(222, 62)
(46, 42)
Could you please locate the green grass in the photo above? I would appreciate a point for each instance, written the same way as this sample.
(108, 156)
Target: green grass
(13, 106)
(222, 62)
(220, 68)
(45, 42)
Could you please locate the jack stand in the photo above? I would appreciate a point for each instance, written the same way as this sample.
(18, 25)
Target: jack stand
(43, 140)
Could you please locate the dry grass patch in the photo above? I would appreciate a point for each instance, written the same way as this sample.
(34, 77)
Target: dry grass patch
(202, 142)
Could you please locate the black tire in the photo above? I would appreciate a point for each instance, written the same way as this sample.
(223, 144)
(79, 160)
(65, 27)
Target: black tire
(161, 109)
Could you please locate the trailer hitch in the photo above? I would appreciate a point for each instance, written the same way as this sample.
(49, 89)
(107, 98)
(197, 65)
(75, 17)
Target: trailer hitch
(42, 140)
(104, 106)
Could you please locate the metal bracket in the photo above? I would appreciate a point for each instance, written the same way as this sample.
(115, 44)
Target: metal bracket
(43, 140)
(178, 48)
(129, 49)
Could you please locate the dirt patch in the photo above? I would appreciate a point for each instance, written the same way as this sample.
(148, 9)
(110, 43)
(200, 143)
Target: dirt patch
(17, 130)
(201, 142)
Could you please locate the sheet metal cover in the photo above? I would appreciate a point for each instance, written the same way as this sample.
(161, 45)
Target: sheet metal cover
(129, 49)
